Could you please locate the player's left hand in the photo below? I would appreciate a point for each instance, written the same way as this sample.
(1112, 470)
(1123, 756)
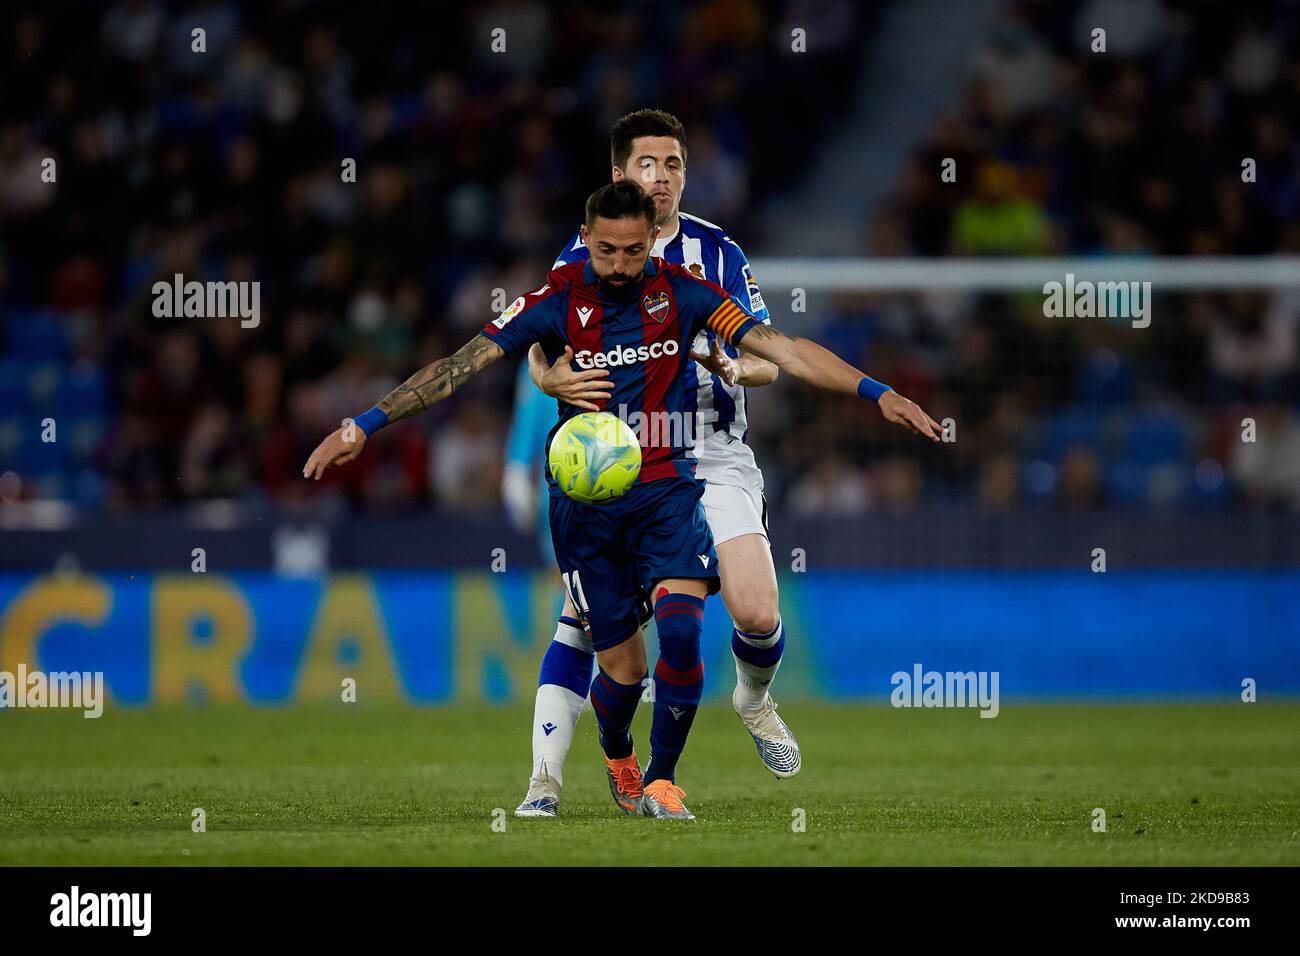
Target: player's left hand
(719, 363)
(339, 447)
(905, 412)
(581, 389)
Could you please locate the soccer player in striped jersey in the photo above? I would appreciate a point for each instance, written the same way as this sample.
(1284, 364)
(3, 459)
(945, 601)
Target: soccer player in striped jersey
(635, 316)
(648, 147)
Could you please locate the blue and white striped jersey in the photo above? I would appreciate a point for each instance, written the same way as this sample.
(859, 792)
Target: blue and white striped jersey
(706, 252)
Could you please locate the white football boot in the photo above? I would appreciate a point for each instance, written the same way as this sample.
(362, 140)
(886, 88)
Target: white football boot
(777, 747)
(542, 798)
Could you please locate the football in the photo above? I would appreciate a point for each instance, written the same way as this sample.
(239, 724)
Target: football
(594, 457)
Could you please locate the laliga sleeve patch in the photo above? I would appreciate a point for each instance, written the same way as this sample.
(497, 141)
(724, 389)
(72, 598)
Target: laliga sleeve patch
(504, 318)
(751, 286)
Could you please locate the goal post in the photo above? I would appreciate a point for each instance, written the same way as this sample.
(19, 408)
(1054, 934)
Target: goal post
(1189, 273)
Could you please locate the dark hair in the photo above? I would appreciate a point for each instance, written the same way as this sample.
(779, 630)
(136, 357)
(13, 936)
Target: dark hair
(620, 200)
(643, 123)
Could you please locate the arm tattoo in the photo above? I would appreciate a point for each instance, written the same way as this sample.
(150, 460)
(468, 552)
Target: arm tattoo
(439, 379)
(762, 331)
(765, 333)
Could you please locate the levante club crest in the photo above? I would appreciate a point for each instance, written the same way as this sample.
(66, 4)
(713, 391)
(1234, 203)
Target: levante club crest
(656, 306)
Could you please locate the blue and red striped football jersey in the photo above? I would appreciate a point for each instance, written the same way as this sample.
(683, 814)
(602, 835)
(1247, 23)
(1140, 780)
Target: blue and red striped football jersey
(641, 335)
(706, 251)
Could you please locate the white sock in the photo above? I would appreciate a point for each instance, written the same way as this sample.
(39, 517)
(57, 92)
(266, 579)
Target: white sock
(556, 708)
(559, 708)
(752, 680)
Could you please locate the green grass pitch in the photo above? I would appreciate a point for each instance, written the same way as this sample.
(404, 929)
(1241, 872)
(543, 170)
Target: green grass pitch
(1181, 784)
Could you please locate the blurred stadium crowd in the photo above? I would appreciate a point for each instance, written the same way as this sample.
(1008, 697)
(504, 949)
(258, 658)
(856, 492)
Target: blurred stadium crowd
(1064, 152)
(472, 167)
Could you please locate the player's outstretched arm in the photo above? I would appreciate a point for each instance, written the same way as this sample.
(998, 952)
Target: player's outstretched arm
(808, 361)
(430, 384)
(755, 372)
(439, 379)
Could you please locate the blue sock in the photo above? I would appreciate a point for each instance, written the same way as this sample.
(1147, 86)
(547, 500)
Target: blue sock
(566, 666)
(679, 681)
(614, 704)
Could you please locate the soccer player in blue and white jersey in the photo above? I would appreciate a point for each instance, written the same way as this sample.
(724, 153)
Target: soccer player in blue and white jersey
(648, 147)
(636, 316)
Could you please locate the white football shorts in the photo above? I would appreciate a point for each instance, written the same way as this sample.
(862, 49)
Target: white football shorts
(733, 491)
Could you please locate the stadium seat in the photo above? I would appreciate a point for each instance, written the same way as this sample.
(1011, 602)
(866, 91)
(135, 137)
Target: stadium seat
(13, 386)
(1126, 483)
(1038, 480)
(1208, 489)
(84, 434)
(84, 392)
(88, 488)
(1104, 379)
(1075, 426)
(37, 337)
(44, 382)
(39, 458)
(1167, 485)
(52, 486)
(11, 436)
(1155, 437)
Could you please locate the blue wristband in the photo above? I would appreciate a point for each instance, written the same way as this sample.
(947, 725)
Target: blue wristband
(371, 420)
(870, 388)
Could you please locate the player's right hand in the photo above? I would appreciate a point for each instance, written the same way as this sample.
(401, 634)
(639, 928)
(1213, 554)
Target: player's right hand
(718, 362)
(580, 389)
(905, 412)
(335, 450)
